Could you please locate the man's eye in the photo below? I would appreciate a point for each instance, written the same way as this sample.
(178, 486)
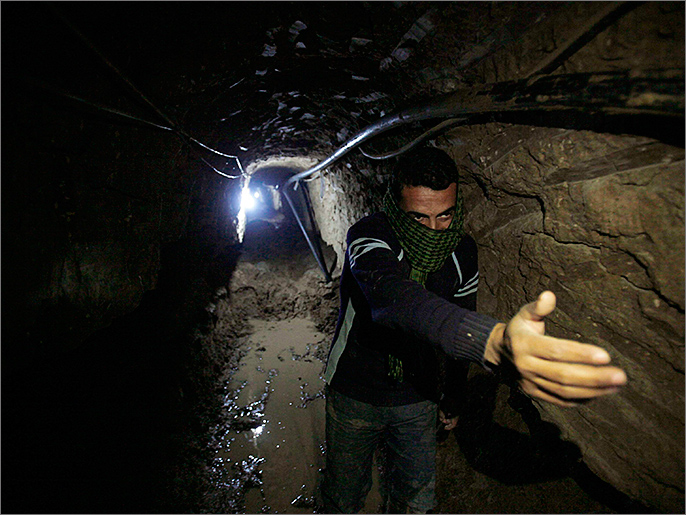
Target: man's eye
(446, 216)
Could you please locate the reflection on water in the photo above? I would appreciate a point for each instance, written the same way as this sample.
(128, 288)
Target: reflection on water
(270, 451)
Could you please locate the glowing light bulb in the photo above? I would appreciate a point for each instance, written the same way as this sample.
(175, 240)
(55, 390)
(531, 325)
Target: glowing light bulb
(247, 200)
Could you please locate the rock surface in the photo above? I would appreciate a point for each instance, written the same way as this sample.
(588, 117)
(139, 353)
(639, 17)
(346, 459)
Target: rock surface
(598, 219)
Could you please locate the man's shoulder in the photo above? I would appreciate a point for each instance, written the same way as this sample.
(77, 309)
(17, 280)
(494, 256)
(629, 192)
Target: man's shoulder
(377, 218)
(467, 242)
(373, 231)
(374, 225)
(466, 254)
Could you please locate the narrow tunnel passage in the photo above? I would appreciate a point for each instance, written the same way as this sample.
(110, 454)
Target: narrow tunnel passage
(269, 442)
(135, 318)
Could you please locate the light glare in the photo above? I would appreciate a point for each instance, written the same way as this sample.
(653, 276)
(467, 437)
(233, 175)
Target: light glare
(247, 200)
(257, 431)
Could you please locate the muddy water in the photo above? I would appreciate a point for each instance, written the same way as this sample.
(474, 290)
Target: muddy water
(272, 451)
(275, 447)
(279, 382)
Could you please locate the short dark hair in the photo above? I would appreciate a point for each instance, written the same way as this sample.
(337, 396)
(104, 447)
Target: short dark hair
(424, 166)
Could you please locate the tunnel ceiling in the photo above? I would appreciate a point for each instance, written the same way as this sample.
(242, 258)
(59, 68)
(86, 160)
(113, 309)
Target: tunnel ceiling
(254, 79)
(269, 77)
(97, 94)
(104, 98)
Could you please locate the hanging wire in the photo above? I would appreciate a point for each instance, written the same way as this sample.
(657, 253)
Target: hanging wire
(313, 177)
(48, 87)
(222, 173)
(90, 45)
(187, 138)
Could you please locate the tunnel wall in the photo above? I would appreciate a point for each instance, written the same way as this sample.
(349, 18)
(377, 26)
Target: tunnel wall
(598, 219)
(92, 204)
(343, 195)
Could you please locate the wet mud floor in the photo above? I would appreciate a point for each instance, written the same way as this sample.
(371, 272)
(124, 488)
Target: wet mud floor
(272, 453)
(269, 445)
(275, 444)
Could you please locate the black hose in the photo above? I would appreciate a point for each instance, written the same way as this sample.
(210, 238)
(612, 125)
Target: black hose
(655, 92)
(422, 137)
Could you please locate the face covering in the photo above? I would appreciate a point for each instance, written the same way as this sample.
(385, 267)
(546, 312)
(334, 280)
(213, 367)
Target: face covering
(426, 249)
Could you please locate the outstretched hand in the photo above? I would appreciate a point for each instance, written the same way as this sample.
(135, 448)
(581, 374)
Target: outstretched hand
(560, 371)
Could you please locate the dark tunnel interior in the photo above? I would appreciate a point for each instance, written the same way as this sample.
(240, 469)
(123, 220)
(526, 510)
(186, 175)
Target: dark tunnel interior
(135, 273)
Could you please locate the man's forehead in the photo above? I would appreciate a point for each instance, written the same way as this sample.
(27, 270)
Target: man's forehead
(420, 196)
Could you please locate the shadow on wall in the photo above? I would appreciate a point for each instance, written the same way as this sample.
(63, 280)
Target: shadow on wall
(516, 458)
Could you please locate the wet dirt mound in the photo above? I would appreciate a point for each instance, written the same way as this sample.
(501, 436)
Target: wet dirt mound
(264, 289)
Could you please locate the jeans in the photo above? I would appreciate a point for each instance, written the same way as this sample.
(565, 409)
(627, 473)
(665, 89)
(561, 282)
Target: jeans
(355, 429)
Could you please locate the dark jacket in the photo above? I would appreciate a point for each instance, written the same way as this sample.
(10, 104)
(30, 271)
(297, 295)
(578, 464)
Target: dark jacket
(385, 313)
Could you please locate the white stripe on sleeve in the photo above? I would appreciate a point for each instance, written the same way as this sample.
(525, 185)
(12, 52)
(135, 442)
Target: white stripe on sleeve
(361, 246)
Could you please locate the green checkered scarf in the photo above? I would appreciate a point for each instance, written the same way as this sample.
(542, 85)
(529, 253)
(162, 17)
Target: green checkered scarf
(427, 249)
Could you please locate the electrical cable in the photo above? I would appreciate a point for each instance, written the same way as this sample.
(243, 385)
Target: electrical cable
(650, 92)
(606, 16)
(47, 87)
(220, 172)
(180, 132)
(425, 135)
(601, 20)
(316, 250)
(90, 45)
(512, 97)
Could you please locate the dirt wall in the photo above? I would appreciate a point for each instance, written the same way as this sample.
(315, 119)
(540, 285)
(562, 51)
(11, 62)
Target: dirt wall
(598, 219)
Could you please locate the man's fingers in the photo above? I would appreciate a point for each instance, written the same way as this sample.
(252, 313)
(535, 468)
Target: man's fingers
(534, 391)
(450, 424)
(563, 375)
(564, 372)
(573, 392)
(540, 308)
(568, 351)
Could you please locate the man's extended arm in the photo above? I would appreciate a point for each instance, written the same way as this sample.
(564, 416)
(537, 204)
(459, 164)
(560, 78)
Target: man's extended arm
(556, 370)
(396, 301)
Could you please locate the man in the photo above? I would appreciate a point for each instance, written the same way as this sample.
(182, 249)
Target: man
(402, 272)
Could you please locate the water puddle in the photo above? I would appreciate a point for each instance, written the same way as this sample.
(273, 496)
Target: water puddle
(272, 451)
